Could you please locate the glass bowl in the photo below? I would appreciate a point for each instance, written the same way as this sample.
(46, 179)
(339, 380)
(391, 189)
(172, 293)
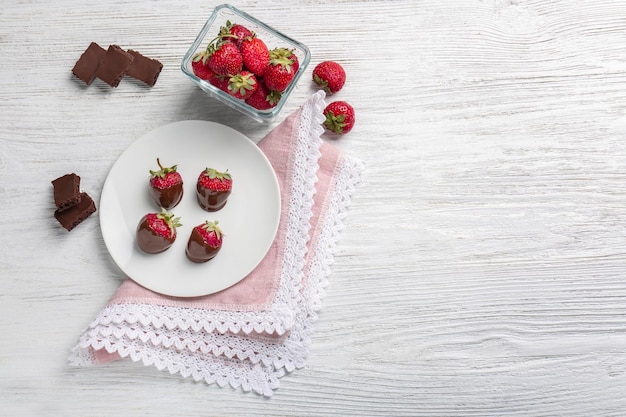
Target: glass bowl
(271, 37)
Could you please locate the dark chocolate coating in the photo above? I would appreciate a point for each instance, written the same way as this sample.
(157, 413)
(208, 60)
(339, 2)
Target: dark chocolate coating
(167, 198)
(197, 250)
(150, 242)
(211, 200)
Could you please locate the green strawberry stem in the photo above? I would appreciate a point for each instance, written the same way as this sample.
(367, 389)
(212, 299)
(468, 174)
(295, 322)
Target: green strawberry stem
(163, 171)
(213, 227)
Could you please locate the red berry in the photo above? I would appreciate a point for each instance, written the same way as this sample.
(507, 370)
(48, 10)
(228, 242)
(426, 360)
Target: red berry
(263, 98)
(200, 69)
(339, 117)
(281, 70)
(255, 55)
(242, 85)
(236, 33)
(225, 59)
(166, 186)
(330, 76)
(220, 81)
(213, 188)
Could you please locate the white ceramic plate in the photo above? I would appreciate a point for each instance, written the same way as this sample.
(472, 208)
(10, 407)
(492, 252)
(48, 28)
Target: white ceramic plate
(249, 220)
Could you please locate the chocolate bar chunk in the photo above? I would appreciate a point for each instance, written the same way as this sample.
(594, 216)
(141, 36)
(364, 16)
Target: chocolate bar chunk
(66, 191)
(88, 63)
(144, 69)
(114, 65)
(73, 216)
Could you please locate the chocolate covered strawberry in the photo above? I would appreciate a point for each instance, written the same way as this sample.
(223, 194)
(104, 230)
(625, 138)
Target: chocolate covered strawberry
(339, 117)
(213, 188)
(330, 76)
(166, 186)
(281, 69)
(204, 242)
(156, 232)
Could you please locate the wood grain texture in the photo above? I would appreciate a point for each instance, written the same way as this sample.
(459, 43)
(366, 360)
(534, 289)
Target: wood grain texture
(482, 267)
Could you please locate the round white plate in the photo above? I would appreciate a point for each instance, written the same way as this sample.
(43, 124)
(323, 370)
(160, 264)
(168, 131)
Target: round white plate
(249, 220)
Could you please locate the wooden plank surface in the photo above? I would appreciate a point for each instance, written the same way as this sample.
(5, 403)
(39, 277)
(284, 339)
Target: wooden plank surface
(482, 267)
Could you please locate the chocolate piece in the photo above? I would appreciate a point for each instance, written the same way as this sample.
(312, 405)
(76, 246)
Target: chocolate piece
(73, 216)
(88, 63)
(144, 69)
(66, 191)
(114, 65)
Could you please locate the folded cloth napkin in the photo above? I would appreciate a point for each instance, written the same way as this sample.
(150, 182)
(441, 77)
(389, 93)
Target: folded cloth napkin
(251, 334)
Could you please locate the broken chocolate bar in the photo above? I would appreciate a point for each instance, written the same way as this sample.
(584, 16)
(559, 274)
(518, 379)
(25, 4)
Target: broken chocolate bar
(114, 65)
(144, 69)
(66, 191)
(73, 216)
(88, 63)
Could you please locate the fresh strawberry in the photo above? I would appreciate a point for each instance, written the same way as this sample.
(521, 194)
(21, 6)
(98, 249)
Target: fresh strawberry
(330, 76)
(205, 242)
(213, 188)
(224, 58)
(263, 98)
(294, 60)
(281, 70)
(220, 81)
(242, 85)
(166, 186)
(255, 55)
(339, 117)
(156, 232)
(235, 33)
(199, 66)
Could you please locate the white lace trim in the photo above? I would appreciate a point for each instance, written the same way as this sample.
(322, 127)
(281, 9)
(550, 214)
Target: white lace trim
(248, 363)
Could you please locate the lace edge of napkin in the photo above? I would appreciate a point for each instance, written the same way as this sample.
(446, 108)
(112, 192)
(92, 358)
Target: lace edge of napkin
(249, 364)
(279, 317)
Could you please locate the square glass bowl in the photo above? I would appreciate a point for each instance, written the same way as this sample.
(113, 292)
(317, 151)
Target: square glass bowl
(271, 37)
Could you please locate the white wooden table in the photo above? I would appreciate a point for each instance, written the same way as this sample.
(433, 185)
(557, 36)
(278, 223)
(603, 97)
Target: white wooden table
(488, 238)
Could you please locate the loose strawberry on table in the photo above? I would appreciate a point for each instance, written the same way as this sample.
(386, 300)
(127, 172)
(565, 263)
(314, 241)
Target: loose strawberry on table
(330, 76)
(156, 232)
(213, 188)
(204, 242)
(166, 186)
(340, 117)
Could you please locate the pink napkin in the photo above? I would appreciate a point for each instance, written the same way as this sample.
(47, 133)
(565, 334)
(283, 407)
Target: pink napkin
(251, 334)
